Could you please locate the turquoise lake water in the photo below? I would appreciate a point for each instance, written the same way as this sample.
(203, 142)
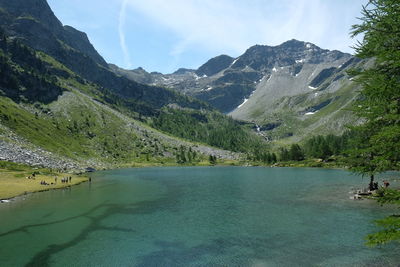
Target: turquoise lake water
(196, 216)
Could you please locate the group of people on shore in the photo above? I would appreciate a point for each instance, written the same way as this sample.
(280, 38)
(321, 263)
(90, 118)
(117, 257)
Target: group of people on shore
(44, 183)
(64, 180)
(375, 185)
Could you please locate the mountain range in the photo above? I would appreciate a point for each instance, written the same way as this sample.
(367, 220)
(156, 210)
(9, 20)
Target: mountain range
(287, 91)
(59, 96)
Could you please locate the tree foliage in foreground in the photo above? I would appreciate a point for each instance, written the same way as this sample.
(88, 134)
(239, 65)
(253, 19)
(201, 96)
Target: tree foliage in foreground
(378, 143)
(391, 224)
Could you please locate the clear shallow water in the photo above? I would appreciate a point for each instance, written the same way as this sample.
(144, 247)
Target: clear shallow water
(219, 216)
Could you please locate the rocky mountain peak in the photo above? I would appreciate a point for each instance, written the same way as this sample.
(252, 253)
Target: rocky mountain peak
(264, 57)
(293, 43)
(33, 22)
(215, 65)
(183, 71)
(297, 46)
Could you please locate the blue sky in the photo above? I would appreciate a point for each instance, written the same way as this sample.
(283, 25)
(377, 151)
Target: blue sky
(164, 35)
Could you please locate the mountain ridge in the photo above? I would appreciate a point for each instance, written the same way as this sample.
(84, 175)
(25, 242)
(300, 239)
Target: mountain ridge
(254, 86)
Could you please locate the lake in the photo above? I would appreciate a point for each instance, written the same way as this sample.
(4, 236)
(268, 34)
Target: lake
(197, 216)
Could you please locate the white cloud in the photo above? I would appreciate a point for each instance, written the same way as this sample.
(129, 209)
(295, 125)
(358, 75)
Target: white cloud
(121, 32)
(235, 25)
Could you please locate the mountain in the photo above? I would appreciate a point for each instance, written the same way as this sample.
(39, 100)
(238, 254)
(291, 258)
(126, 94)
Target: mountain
(288, 91)
(63, 106)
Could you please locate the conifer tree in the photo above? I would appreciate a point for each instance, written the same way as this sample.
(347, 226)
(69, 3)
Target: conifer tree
(296, 153)
(378, 146)
(380, 97)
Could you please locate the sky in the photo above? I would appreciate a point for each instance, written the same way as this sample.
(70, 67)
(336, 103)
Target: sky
(164, 35)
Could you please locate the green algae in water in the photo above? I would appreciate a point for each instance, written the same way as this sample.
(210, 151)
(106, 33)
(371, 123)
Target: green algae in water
(218, 216)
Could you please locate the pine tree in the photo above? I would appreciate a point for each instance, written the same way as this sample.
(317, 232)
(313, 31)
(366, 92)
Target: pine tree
(284, 154)
(274, 158)
(379, 137)
(380, 96)
(213, 159)
(296, 153)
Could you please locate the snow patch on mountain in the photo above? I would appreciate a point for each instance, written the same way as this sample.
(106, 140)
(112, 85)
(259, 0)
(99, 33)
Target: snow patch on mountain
(246, 99)
(244, 102)
(233, 63)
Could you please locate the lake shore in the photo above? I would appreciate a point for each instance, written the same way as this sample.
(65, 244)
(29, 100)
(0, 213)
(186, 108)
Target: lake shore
(17, 180)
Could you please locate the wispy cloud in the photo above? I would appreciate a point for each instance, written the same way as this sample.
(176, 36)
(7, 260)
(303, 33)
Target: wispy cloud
(234, 25)
(121, 32)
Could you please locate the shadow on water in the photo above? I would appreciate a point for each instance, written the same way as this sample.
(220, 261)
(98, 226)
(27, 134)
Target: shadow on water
(42, 258)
